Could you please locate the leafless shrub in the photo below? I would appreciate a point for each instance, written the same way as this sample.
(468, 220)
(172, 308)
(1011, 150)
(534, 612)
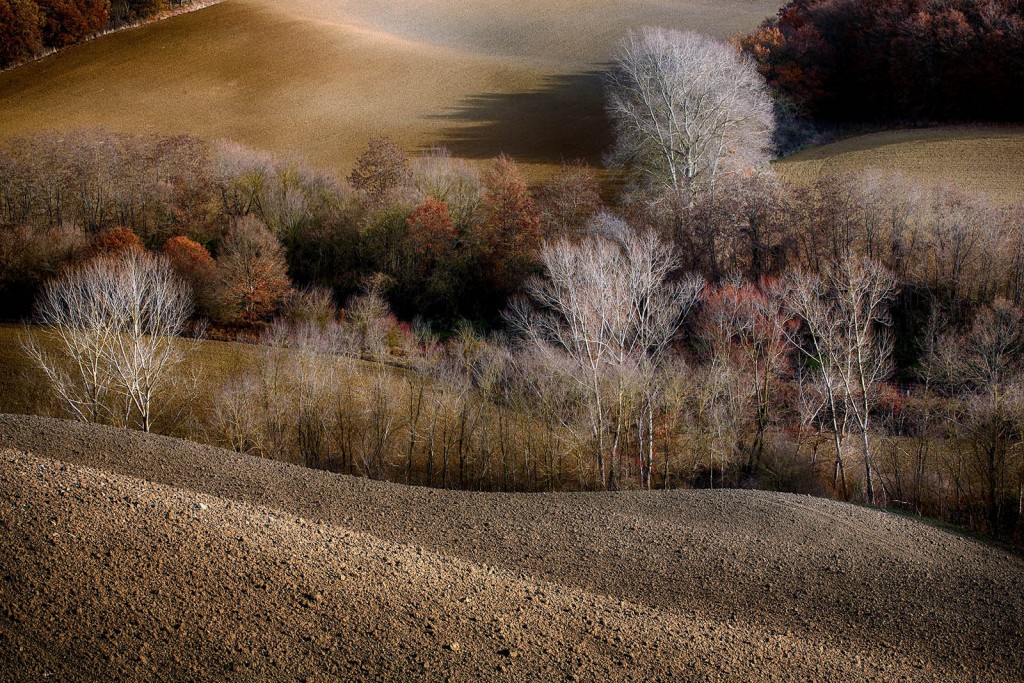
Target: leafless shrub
(108, 333)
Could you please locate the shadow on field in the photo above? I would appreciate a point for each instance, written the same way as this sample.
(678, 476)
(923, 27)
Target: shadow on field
(563, 120)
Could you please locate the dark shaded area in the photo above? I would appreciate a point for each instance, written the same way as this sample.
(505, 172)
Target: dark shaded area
(850, 61)
(564, 120)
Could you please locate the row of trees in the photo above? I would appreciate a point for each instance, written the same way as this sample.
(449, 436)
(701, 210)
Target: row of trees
(30, 27)
(247, 283)
(906, 60)
(444, 239)
(620, 372)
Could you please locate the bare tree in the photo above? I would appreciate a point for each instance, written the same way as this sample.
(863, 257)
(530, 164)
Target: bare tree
(452, 181)
(741, 327)
(380, 170)
(369, 318)
(253, 272)
(685, 108)
(845, 317)
(609, 310)
(987, 434)
(110, 327)
(986, 356)
(981, 370)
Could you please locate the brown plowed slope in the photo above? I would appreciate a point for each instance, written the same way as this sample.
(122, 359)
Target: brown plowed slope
(110, 568)
(317, 78)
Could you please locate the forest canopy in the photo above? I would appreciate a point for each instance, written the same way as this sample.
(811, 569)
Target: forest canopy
(895, 60)
(30, 27)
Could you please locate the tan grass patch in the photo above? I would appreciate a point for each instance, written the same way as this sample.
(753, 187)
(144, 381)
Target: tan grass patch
(986, 159)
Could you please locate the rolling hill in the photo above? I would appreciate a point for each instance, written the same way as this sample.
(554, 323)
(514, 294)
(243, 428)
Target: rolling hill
(316, 79)
(988, 159)
(134, 556)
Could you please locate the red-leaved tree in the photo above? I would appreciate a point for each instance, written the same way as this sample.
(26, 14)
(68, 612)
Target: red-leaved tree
(20, 31)
(65, 22)
(511, 226)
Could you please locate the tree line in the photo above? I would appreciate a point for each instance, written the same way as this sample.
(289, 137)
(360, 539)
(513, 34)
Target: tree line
(28, 28)
(876, 61)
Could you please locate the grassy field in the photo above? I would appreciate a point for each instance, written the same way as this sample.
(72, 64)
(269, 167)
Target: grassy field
(23, 387)
(988, 159)
(316, 78)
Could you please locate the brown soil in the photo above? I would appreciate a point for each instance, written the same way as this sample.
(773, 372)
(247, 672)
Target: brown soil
(317, 78)
(128, 556)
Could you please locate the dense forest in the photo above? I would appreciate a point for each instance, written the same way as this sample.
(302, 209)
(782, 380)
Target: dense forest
(855, 61)
(29, 28)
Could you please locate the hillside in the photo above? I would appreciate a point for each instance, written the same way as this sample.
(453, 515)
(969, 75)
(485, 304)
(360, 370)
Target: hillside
(217, 363)
(988, 159)
(316, 79)
(200, 562)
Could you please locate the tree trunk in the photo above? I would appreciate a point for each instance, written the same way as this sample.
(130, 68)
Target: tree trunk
(869, 484)
(839, 472)
(412, 435)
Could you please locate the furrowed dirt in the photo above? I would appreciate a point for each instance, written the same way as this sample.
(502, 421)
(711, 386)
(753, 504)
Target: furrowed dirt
(137, 557)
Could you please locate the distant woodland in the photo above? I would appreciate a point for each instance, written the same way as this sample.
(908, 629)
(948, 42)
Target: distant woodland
(895, 60)
(29, 28)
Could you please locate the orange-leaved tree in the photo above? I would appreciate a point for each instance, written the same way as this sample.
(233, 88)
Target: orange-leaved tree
(193, 263)
(511, 226)
(115, 240)
(253, 273)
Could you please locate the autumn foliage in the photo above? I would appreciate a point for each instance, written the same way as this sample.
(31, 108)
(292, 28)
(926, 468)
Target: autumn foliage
(28, 27)
(20, 30)
(115, 240)
(253, 272)
(192, 262)
(884, 60)
(431, 231)
(511, 223)
(65, 22)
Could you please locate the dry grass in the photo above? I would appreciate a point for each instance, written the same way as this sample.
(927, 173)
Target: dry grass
(212, 366)
(316, 78)
(988, 159)
(23, 387)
